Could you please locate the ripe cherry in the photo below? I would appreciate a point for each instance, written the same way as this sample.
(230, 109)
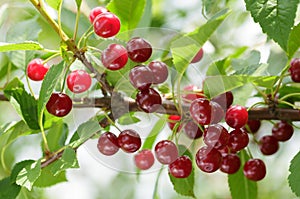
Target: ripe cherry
(139, 50)
(295, 69)
(252, 126)
(238, 140)
(268, 145)
(114, 57)
(173, 120)
(230, 163)
(106, 25)
(191, 92)
(225, 100)
(79, 81)
(198, 56)
(148, 100)
(59, 104)
(192, 130)
(159, 70)
(141, 77)
(166, 151)
(129, 141)
(236, 116)
(95, 12)
(208, 159)
(282, 131)
(108, 144)
(216, 136)
(255, 169)
(36, 69)
(181, 167)
(144, 159)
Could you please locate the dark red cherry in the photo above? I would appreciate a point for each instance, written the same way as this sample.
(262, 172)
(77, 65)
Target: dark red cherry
(225, 100)
(129, 141)
(148, 100)
(114, 57)
(216, 136)
(208, 159)
(79, 81)
(295, 69)
(141, 77)
(59, 104)
(192, 130)
(238, 140)
(252, 126)
(230, 163)
(198, 56)
(282, 131)
(95, 12)
(268, 145)
(139, 50)
(181, 167)
(159, 70)
(108, 144)
(236, 116)
(166, 152)
(36, 69)
(255, 169)
(144, 159)
(106, 25)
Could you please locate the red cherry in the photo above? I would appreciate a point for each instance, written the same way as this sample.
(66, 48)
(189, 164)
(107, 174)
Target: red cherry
(191, 92)
(95, 12)
(36, 69)
(59, 104)
(148, 100)
(268, 145)
(225, 100)
(236, 116)
(192, 130)
(253, 126)
(166, 152)
(144, 159)
(139, 50)
(106, 25)
(173, 120)
(208, 159)
(79, 81)
(282, 131)
(198, 56)
(216, 136)
(114, 57)
(255, 169)
(159, 70)
(129, 141)
(141, 77)
(238, 140)
(295, 69)
(108, 144)
(181, 167)
(230, 163)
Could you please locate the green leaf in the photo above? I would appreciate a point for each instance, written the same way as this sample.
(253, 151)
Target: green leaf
(17, 168)
(157, 128)
(128, 118)
(27, 45)
(27, 103)
(239, 185)
(57, 135)
(47, 179)
(50, 80)
(8, 190)
(186, 47)
(294, 41)
(253, 58)
(54, 3)
(67, 161)
(294, 177)
(276, 18)
(29, 174)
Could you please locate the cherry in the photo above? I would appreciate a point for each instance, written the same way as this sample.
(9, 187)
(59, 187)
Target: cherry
(206, 112)
(225, 100)
(255, 169)
(295, 69)
(129, 141)
(144, 159)
(181, 167)
(36, 69)
(79, 81)
(114, 57)
(230, 163)
(192, 92)
(252, 126)
(282, 131)
(148, 100)
(236, 116)
(166, 152)
(95, 12)
(139, 50)
(238, 140)
(59, 104)
(108, 144)
(106, 25)
(141, 77)
(268, 145)
(159, 70)
(198, 56)
(192, 130)
(216, 136)
(173, 120)
(208, 159)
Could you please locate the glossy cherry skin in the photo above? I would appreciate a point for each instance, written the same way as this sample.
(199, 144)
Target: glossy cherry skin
(225, 100)
(208, 159)
(253, 126)
(36, 70)
(166, 152)
(238, 140)
(144, 159)
(114, 57)
(236, 116)
(192, 130)
(129, 141)
(148, 100)
(139, 50)
(59, 104)
(230, 164)
(198, 56)
(79, 81)
(191, 92)
(159, 70)
(282, 131)
(108, 144)
(181, 167)
(268, 145)
(255, 169)
(141, 77)
(216, 136)
(95, 12)
(295, 69)
(106, 25)
(173, 120)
